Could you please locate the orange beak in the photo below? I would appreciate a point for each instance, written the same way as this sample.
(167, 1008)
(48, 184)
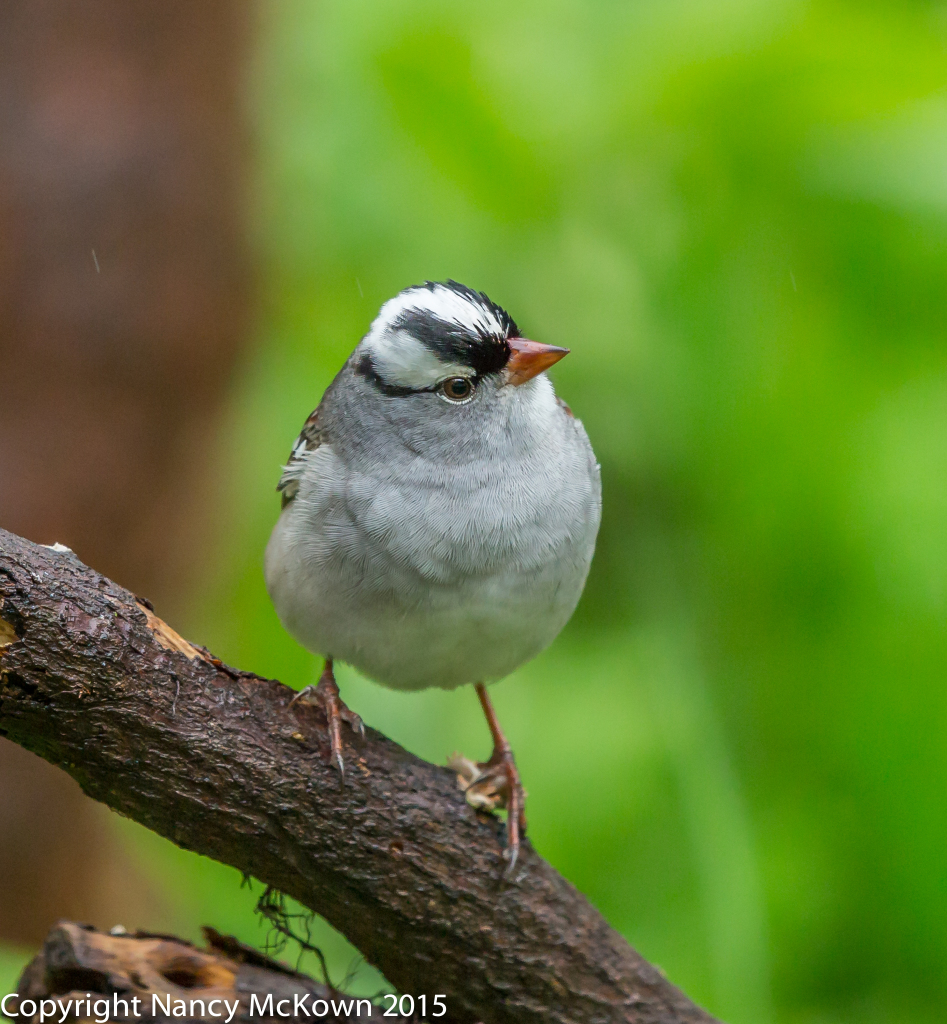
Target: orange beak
(529, 358)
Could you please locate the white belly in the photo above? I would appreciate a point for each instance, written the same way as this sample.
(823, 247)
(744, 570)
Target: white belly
(420, 586)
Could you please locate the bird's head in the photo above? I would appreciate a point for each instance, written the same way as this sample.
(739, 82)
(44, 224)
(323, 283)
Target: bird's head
(445, 339)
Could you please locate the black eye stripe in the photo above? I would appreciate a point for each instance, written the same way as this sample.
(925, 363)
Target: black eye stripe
(366, 368)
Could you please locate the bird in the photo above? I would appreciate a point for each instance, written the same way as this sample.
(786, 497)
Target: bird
(440, 509)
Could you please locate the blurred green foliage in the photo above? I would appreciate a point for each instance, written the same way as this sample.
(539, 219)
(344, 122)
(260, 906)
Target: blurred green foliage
(735, 215)
(11, 966)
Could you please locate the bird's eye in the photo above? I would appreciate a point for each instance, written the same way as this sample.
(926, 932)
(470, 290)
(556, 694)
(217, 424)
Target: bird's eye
(457, 389)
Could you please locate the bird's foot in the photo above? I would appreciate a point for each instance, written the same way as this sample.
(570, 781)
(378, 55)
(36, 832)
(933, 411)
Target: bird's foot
(325, 695)
(495, 785)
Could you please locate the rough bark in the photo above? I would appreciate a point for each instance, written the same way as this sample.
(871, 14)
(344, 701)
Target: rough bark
(87, 973)
(216, 760)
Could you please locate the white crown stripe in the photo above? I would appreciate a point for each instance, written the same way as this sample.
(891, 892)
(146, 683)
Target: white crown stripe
(402, 360)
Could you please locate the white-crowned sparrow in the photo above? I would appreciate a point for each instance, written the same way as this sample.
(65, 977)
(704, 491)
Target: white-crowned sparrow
(440, 509)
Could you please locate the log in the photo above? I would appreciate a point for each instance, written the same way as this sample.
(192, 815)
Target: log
(217, 760)
(82, 974)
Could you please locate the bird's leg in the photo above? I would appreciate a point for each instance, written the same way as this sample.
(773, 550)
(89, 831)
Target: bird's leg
(325, 695)
(496, 782)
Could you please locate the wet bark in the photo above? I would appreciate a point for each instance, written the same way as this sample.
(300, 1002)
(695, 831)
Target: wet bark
(216, 760)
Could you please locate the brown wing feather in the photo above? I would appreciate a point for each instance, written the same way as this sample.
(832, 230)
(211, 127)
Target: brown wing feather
(310, 437)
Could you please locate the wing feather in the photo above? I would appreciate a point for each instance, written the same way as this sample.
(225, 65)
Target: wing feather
(310, 437)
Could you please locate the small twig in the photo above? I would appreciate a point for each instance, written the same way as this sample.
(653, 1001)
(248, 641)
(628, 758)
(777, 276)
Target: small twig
(272, 906)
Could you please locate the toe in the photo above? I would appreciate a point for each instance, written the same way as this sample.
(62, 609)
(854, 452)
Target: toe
(353, 721)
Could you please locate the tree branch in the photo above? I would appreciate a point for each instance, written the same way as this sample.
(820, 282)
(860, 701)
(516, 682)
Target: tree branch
(216, 760)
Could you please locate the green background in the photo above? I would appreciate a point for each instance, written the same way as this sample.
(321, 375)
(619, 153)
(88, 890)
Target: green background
(735, 215)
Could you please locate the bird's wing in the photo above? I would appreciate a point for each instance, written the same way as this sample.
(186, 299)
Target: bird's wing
(310, 437)
(565, 408)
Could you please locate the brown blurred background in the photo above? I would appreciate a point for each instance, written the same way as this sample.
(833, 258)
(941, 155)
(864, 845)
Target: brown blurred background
(124, 302)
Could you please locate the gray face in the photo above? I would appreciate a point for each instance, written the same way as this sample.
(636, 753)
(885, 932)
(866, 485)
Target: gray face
(432, 376)
(493, 418)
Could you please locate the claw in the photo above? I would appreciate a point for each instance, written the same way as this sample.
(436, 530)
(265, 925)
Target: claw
(305, 692)
(511, 854)
(326, 696)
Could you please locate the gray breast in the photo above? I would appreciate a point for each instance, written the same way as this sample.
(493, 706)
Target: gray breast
(437, 572)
